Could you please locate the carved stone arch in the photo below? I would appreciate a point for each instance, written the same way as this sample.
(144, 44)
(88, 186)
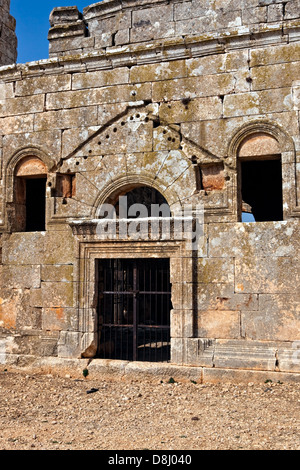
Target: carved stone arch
(25, 180)
(285, 142)
(16, 159)
(122, 185)
(265, 140)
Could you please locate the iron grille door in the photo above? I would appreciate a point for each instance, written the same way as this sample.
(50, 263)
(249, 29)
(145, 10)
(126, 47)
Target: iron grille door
(134, 309)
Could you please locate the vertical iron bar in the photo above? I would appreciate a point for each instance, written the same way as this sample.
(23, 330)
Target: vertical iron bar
(134, 311)
(145, 306)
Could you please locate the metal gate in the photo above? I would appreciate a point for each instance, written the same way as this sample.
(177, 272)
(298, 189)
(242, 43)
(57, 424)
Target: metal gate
(134, 309)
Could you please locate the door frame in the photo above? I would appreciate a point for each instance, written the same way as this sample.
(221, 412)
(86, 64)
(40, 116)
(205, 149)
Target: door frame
(89, 250)
(128, 283)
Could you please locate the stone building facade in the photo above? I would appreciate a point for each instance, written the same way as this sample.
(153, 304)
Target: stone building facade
(194, 103)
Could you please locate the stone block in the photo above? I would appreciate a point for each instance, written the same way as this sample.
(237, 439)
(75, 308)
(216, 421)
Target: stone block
(288, 357)
(275, 75)
(111, 94)
(17, 124)
(259, 102)
(38, 248)
(206, 65)
(275, 12)
(183, 269)
(165, 139)
(122, 37)
(48, 347)
(194, 87)
(156, 72)
(64, 15)
(72, 45)
(192, 351)
(197, 109)
(223, 297)
(100, 78)
(108, 368)
(69, 344)
(183, 11)
(236, 60)
(177, 349)
(22, 105)
(44, 84)
(219, 324)
(231, 376)
(6, 91)
(51, 139)
(179, 170)
(276, 320)
(275, 239)
(147, 31)
(30, 319)
(149, 16)
(27, 344)
(67, 30)
(292, 9)
(57, 295)
(254, 15)
(267, 275)
(36, 298)
(65, 119)
(107, 112)
(20, 277)
(182, 323)
(215, 271)
(183, 295)
(281, 53)
(244, 355)
(113, 23)
(194, 25)
(56, 318)
(59, 273)
(13, 303)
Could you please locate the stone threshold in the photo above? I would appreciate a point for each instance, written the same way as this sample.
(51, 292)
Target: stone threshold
(105, 369)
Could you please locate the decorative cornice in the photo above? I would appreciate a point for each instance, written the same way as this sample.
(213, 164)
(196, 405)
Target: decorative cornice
(157, 51)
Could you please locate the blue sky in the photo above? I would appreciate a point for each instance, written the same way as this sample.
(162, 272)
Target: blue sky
(33, 25)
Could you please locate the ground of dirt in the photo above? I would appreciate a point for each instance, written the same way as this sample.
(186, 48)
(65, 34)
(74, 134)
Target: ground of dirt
(47, 412)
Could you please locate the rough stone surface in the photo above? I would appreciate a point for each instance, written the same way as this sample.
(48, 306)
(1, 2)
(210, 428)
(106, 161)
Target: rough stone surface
(8, 39)
(174, 95)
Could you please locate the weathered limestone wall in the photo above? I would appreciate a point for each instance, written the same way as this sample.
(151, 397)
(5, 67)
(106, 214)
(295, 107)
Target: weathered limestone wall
(172, 112)
(247, 298)
(124, 22)
(8, 40)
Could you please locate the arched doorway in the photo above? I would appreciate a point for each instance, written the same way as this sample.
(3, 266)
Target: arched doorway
(134, 294)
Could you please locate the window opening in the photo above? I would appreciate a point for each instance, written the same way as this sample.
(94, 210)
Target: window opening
(149, 198)
(261, 186)
(35, 204)
(29, 195)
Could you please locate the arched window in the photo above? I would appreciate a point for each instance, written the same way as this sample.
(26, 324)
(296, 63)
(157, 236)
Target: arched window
(155, 205)
(260, 178)
(30, 195)
(135, 201)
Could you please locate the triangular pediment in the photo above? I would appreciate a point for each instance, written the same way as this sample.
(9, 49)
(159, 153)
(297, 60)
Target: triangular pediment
(138, 129)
